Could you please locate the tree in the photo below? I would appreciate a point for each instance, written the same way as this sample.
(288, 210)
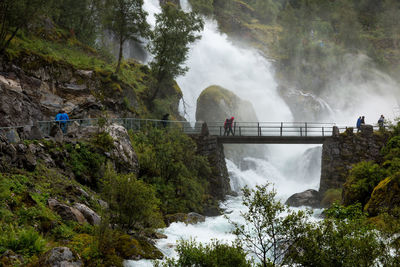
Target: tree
(127, 20)
(267, 233)
(170, 40)
(132, 203)
(16, 15)
(80, 17)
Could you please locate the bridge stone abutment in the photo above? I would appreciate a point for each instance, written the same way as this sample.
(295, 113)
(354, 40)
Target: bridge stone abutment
(341, 151)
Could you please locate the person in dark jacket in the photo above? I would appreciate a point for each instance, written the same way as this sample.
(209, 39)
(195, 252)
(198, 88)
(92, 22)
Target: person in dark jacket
(164, 120)
(62, 119)
(228, 126)
(358, 124)
(381, 122)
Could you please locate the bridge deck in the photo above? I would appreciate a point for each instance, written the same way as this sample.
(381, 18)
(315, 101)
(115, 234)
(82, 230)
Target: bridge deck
(272, 139)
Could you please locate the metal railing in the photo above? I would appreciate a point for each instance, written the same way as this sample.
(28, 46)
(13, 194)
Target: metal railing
(303, 129)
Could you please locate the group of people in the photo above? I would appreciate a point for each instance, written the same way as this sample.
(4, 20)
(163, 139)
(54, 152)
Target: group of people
(228, 126)
(361, 121)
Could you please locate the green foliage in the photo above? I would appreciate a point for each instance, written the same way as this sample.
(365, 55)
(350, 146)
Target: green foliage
(211, 255)
(363, 177)
(132, 202)
(15, 15)
(202, 6)
(344, 238)
(86, 164)
(104, 141)
(331, 196)
(266, 233)
(168, 160)
(170, 40)
(127, 20)
(24, 241)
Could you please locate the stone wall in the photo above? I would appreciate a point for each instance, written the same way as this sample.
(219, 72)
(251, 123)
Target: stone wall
(343, 150)
(219, 181)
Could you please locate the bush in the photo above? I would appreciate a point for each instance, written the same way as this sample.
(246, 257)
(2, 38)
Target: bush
(215, 254)
(104, 141)
(132, 202)
(23, 241)
(361, 182)
(331, 196)
(168, 160)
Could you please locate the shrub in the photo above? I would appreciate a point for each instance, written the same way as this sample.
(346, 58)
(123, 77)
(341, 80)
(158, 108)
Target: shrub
(24, 241)
(361, 182)
(133, 203)
(215, 254)
(168, 160)
(104, 141)
(331, 196)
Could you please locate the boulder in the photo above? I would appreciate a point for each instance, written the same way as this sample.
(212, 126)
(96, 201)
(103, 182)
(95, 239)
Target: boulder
(60, 257)
(66, 212)
(123, 151)
(385, 197)
(92, 217)
(367, 130)
(12, 136)
(309, 198)
(214, 105)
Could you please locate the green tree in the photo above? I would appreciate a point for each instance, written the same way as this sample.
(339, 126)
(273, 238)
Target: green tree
(344, 238)
(267, 233)
(170, 40)
(80, 17)
(15, 15)
(126, 19)
(132, 203)
(211, 255)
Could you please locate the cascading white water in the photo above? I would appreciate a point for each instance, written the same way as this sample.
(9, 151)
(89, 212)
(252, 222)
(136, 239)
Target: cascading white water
(215, 60)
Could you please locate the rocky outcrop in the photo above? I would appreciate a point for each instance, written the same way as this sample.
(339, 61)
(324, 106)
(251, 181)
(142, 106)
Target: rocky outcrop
(122, 152)
(219, 181)
(60, 257)
(385, 197)
(215, 104)
(35, 88)
(342, 151)
(66, 212)
(310, 198)
(92, 217)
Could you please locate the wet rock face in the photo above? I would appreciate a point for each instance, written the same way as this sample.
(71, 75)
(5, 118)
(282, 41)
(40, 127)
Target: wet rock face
(310, 198)
(60, 257)
(38, 89)
(123, 152)
(341, 152)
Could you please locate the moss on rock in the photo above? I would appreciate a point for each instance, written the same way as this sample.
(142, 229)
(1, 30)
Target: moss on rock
(385, 197)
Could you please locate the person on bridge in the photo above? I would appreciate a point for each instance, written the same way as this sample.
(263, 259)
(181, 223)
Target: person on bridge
(381, 122)
(363, 120)
(228, 126)
(62, 119)
(358, 124)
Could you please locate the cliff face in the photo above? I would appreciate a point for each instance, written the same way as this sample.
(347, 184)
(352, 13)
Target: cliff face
(344, 150)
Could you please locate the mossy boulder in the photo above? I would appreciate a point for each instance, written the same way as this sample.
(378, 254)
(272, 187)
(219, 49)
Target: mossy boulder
(385, 197)
(215, 104)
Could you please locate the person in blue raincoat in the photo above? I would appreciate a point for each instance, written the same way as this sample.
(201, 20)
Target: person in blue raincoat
(62, 119)
(358, 124)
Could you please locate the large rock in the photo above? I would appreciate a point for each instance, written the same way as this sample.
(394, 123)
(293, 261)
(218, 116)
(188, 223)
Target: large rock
(66, 212)
(60, 257)
(215, 104)
(123, 151)
(190, 218)
(309, 198)
(385, 197)
(92, 217)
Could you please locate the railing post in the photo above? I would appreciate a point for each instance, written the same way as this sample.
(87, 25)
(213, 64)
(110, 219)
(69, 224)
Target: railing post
(258, 129)
(240, 131)
(220, 130)
(281, 127)
(306, 129)
(234, 128)
(301, 131)
(323, 132)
